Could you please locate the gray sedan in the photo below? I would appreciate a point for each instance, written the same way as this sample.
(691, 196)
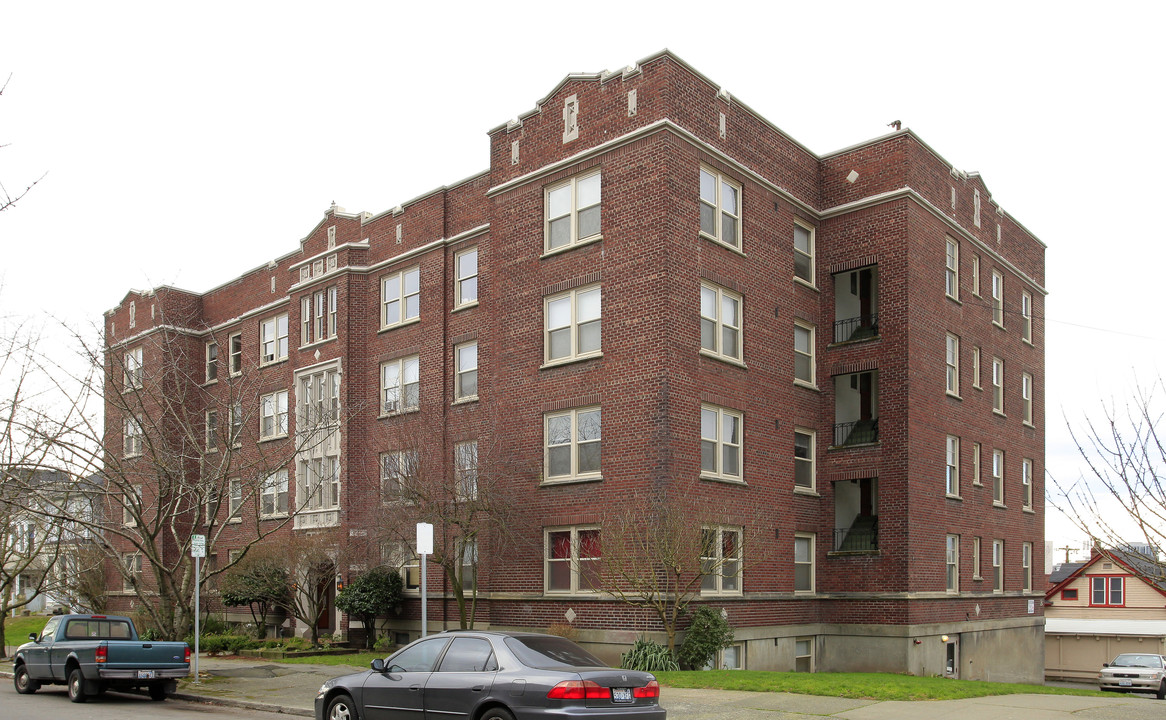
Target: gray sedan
(1135, 672)
(491, 676)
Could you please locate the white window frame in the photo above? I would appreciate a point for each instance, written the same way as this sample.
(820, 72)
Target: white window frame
(810, 256)
(997, 566)
(273, 344)
(574, 443)
(1026, 483)
(211, 430)
(953, 563)
(465, 283)
(1026, 398)
(131, 502)
(404, 298)
(401, 385)
(998, 298)
(809, 541)
(398, 469)
(319, 485)
(235, 354)
(465, 360)
(318, 316)
(953, 466)
(273, 415)
(133, 372)
(576, 326)
(716, 202)
(998, 385)
(952, 268)
(575, 563)
(273, 495)
(976, 559)
(976, 451)
(976, 367)
(714, 318)
(808, 461)
(132, 564)
(465, 470)
(720, 445)
(212, 362)
(714, 578)
(235, 500)
(807, 656)
(976, 275)
(1026, 563)
(132, 433)
(569, 189)
(1026, 316)
(810, 356)
(236, 424)
(998, 476)
(952, 363)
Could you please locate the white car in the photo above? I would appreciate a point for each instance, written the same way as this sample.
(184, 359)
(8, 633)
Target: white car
(1135, 672)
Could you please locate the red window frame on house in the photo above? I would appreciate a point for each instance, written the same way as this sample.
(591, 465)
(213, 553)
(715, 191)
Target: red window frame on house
(1069, 594)
(1106, 591)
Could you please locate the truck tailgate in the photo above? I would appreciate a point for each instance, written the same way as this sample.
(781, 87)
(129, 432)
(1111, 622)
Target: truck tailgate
(145, 654)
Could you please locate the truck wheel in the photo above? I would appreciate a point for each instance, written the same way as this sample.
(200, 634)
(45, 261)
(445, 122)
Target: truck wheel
(157, 692)
(77, 686)
(25, 685)
(342, 708)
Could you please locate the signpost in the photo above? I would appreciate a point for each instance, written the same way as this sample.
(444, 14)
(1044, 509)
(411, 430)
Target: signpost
(197, 550)
(424, 547)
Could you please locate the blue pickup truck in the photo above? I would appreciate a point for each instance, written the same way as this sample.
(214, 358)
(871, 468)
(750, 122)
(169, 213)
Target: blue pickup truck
(94, 653)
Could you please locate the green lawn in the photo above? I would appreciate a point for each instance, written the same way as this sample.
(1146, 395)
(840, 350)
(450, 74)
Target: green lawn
(16, 629)
(357, 660)
(874, 686)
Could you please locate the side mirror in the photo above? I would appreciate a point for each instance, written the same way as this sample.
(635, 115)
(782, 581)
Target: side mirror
(1104, 664)
(32, 637)
(378, 665)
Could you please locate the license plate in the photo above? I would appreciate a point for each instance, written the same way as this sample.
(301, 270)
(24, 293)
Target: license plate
(1125, 683)
(147, 675)
(621, 694)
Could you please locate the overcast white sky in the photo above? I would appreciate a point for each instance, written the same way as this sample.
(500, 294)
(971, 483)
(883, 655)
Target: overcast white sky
(186, 143)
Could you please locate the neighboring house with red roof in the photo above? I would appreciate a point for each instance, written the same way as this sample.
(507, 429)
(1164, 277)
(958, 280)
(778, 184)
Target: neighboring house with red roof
(1113, 603)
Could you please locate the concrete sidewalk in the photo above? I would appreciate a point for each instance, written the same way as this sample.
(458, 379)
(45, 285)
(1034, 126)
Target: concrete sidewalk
(291, 690)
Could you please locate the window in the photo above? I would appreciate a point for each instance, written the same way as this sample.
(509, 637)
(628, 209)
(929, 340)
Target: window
(998, 566)
(976, 559)
(469, 564)
(274, 494)
(236, 423)
(953, 563)
(1026, 396)
(998, 385)
(572, 444)
(804, 252)
(804, 364)
(212, 430)
(401, 297)
(132, 437)
(572, 324)
(976, 367)
(131, 505)
(732, 657)
(400, 385)
(804, 655)
(319, 398)
(320, 488)
(132, 571)
(953, 365)
(803, 562)
(319, 449)
(573, 212)
(976, 463)
(133, 313)
(997, 477)
(273, 340)
(318, 316)
(720, 443)
(236, 348)
(573, 559)
(976, 275)
(953, 466)
(1026, 563)
(1069, 594)
(997, 298)
(804, 472)
(133, 369)
(465, 470)
(212, 361)
(1026, 483)
(466, 360)
(953, 269)
(234, 499)
(720, 560)
(720, 322)
(466, 278)
(1107, 590)
(1026, 316)
(398, 470)
(720, 208)
(273, 415)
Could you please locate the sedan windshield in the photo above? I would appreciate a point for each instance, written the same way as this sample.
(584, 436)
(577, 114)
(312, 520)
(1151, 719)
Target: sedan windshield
(1132, 660)
(547, 653)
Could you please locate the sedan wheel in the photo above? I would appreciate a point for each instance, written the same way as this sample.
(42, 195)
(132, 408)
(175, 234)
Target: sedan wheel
(342, 708)
(497, 714)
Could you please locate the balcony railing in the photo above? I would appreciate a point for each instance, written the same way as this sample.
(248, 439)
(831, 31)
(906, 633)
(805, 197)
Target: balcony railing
(856, 539)
(856, 328)
(859, 432)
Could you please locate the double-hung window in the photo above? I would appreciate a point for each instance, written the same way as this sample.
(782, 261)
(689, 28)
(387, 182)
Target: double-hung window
(573, 324)
(466, 362)
(401, 297)
(998, 385)
(1026, 483)
(133, 369)
(318, 313)
(131, 506)
(804, 252)
(804, 472)
(953, 365)
(1026, 397)
(273, 415)
(804, 361)
(273, 340)
(953, 563)
(953, 269)
(132, 566)
(466, 279)
(998, 566)
(212, 430)
(803, 562)
(997, 477)
(976, 275)
(720, 561)
(1026, 564)
(976, 367)
(976, 463)
(720, 443)
(572, 209)
(572, 560)
(998, 298)
(572, 444)
(1107, 590)
(953, 465)
(273, 497)
(465, 470)
(1026, 316)
(720, 322)
(236, 423)
(212, 361)
(132, 437)
(235, 361)
(400, 385)
(720, 208)
(976, 559)
(234, 499)
(398, 472)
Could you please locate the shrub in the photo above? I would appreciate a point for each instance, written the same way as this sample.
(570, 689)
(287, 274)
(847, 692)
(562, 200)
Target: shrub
(707, 634)
(648, 656)
(382, 645)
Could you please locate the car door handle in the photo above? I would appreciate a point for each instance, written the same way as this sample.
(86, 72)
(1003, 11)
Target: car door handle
(477, 688)
(414, 688)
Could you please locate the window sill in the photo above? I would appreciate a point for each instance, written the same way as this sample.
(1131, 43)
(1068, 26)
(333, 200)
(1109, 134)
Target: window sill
(211, 451)
(720, 593)
(236, 373)
(722, 243)
(805, 283)
(270, 438)
(269, 363)
(977, 578)
(1028, 510)
(591, 240)
(954, 299)
(465, 306)
(208, 383)
(398, 413)
(998, 412)
(722, 479)
(705, 352)
(999, 325)
(807, 385)
(977, 387)
(465, 400)
(234, 521)
(954, 396)
(314, 343)
(567, 361)
(808, 492)
(977, 483)
(571, 480)
(1027, 424)
(998, 504)
(950, 496)
(276, 516)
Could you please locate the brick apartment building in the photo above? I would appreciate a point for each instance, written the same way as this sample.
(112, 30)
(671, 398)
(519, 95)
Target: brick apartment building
(653, 291)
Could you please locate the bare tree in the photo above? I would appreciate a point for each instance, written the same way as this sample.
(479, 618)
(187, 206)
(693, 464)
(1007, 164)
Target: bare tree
(7, 200)
(1119, 501)
(311, 562)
